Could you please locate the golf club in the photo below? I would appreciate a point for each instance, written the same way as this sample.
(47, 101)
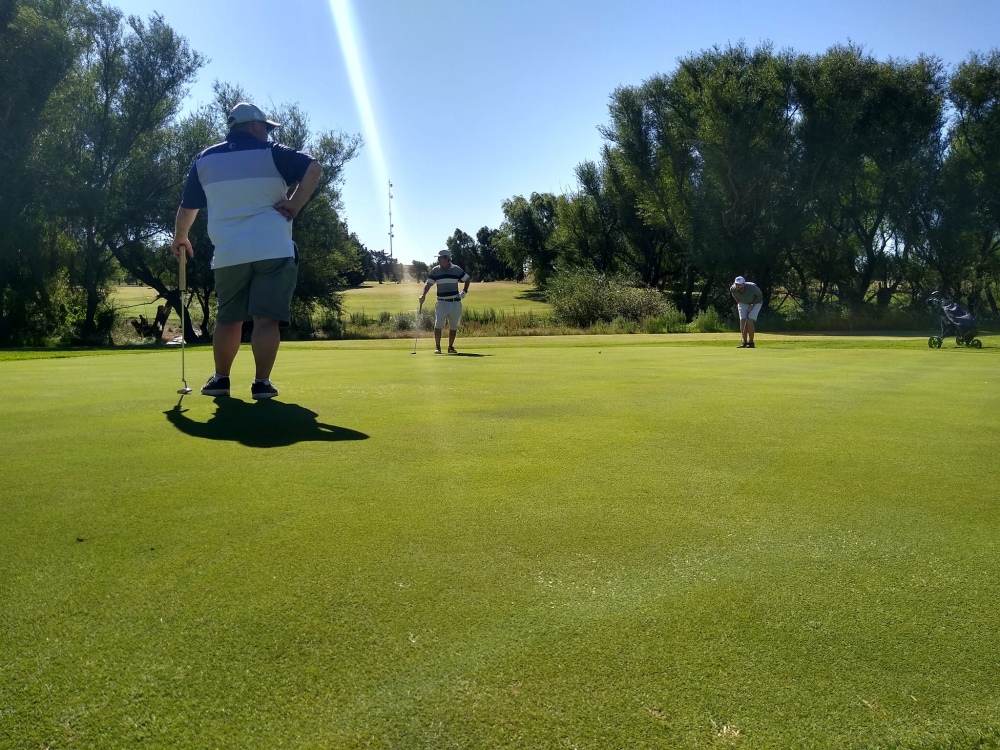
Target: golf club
(416, 327)
(182, 287)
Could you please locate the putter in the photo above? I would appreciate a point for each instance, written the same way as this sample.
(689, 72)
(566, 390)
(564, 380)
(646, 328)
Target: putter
(182, 287)
(416, 332)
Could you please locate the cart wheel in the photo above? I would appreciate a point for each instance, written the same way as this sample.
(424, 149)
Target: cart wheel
(977, 344)
(932, 342)
(959, 341)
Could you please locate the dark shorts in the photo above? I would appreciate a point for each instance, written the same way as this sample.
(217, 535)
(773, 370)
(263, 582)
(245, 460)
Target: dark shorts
(262, 289)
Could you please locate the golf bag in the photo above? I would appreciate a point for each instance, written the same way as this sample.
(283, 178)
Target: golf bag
(955, 321)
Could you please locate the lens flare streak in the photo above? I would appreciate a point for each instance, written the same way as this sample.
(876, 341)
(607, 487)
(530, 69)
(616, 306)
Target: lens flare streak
(347, 33)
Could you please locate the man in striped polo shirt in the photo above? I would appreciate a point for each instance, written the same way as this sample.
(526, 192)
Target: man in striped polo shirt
(448, 311)
(243, 182)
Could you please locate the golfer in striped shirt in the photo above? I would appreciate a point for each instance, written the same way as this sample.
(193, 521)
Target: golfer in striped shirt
(448, 311)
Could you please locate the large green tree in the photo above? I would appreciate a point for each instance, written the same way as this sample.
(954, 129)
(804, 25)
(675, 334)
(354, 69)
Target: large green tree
(464, 253)
(740, 108)
(39, 41)
(974, 171)
(587, 229)
(107, 143)
(494, 268)
(870, 134)
(524, 240)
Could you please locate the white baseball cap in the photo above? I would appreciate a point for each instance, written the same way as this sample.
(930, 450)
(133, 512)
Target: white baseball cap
(246, 112)
(444, 254)
(740, 280)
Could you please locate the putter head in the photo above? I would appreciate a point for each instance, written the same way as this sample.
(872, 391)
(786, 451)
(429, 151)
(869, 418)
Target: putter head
(184, 391)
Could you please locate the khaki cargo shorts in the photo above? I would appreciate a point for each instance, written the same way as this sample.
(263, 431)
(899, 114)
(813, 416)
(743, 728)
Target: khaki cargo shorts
(261, 289)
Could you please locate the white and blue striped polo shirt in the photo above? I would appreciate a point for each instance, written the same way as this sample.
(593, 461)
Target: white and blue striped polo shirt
(239, 181)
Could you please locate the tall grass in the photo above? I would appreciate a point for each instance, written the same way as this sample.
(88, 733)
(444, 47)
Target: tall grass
(709, 321)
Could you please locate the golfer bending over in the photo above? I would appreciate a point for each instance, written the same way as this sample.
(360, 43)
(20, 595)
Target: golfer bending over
(749, 300)
(448, 311)
(243, 183)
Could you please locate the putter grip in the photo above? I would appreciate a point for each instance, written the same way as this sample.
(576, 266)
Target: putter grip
(182, 274)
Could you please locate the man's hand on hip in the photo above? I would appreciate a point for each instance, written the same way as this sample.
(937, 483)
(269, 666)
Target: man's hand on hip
(287, 208)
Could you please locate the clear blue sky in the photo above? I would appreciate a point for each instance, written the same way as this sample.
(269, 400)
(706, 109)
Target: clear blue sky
(475, 101)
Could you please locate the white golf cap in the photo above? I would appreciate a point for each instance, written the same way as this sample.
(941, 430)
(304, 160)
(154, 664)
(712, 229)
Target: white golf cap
(246, 112)
(740, 280)
(445, 254)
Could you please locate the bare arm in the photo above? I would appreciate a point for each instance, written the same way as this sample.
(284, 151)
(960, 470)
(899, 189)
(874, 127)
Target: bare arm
(182, 225)
(427, 288)
(290, 206)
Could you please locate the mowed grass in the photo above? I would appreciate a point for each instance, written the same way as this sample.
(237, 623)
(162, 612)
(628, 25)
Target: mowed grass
(592, 542)
(371, 299)
(509, 296)
(133, 301)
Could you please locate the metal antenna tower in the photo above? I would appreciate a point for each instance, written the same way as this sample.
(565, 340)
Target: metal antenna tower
(390, 220)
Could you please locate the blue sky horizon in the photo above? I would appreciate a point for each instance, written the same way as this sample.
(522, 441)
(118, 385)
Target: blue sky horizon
(465, 103)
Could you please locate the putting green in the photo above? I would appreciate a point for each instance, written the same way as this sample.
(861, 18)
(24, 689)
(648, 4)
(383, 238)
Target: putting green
(553, 542)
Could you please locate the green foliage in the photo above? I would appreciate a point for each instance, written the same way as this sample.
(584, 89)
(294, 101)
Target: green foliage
(523, 241)
(838, 180)
(709, 321)
(840, 318)
(317, 323)
(672, 321)
(419, 270)
(583, 298)
(404, 321)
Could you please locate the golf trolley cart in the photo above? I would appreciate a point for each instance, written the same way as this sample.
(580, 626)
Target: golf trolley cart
(955, 321)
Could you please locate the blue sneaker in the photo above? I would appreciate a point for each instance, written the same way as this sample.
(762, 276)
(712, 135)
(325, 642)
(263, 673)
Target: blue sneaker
(217, 385)
(263, 389)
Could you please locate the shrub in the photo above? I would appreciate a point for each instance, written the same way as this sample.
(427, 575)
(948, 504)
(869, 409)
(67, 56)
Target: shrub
(320, 323)
(583, 298)
(329, 325)
(709, 321)
(638, 303)
(427, 320)
(834, 317)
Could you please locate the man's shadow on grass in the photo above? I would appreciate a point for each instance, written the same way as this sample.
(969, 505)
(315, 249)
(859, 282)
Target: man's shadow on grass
(262, 424)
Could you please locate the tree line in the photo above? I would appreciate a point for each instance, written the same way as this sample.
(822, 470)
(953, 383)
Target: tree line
(833, 181)
(95, 154)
